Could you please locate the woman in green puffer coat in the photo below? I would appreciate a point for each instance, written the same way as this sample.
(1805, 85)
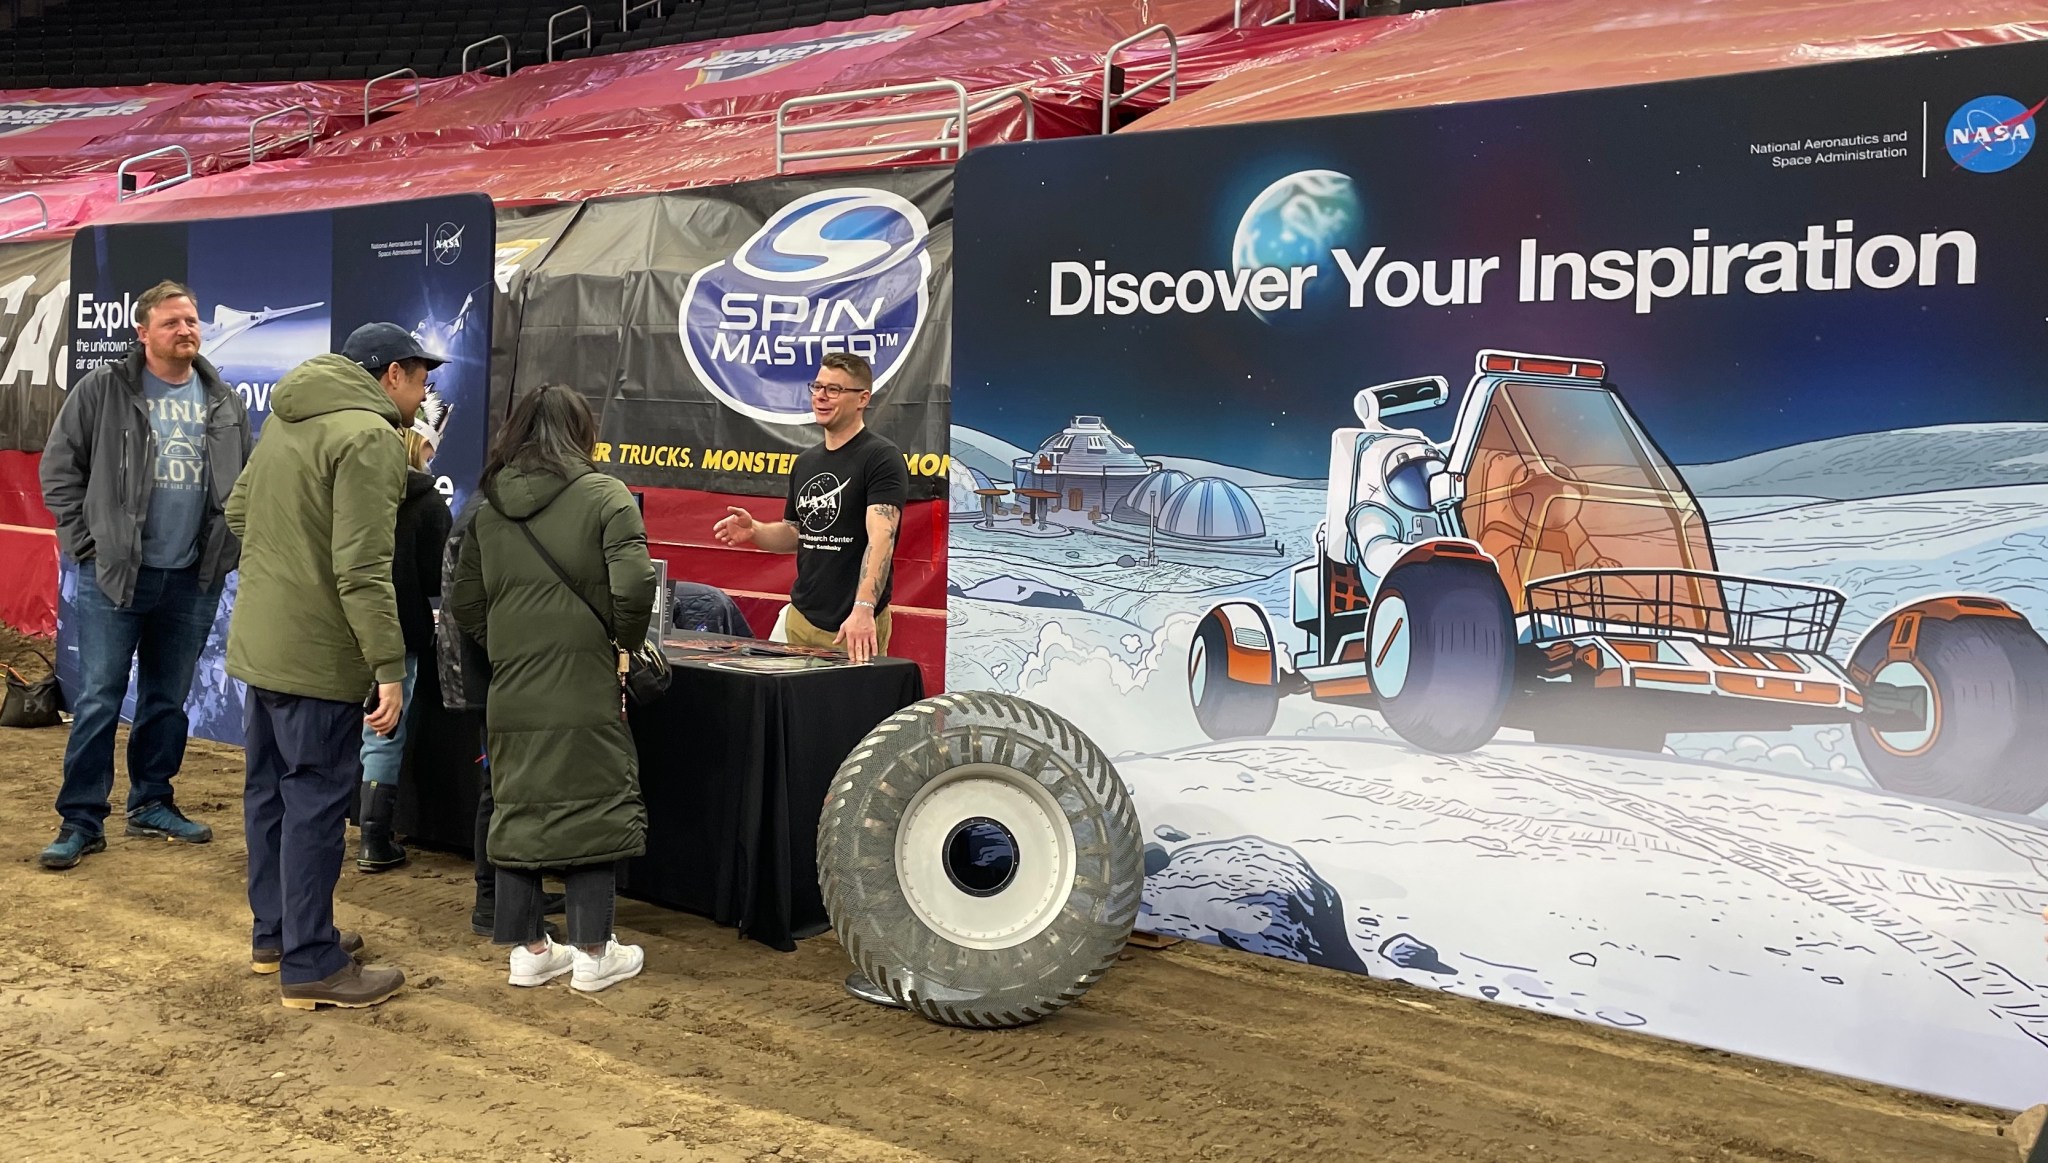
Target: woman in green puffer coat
(564, 773)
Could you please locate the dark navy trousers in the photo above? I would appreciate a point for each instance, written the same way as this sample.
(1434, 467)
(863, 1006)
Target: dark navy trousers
(305, 764)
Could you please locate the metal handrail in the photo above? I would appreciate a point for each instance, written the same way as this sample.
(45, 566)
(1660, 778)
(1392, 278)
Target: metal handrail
(40, 204)
(369, 112)
(627, 8)
(1112, 77)
(1023, 96)
(121, 191)
(956, 142)
(554, 40)
(1287, 17)
(312, 131)
(501, 38)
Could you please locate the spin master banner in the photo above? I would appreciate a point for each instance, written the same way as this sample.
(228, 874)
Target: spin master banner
(695, 322)
(273, 292)
(1585, 552)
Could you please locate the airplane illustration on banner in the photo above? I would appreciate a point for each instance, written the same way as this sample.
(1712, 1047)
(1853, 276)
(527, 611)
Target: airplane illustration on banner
(227, 323)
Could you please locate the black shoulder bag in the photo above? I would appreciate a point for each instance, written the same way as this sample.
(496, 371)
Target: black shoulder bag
(31, 703)
(643, 671)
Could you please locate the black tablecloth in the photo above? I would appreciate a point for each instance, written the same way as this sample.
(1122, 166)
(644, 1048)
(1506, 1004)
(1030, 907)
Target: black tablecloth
(734, 767)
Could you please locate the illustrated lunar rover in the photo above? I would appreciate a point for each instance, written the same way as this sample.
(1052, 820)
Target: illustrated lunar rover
(1548, 569)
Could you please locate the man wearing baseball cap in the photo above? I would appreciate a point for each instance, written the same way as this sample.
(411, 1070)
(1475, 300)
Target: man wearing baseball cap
(315, 631)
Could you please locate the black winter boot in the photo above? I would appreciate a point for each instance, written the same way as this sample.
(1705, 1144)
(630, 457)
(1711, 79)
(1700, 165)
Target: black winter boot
(380, 851)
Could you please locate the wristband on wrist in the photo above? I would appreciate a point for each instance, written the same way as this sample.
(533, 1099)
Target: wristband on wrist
(869, 605)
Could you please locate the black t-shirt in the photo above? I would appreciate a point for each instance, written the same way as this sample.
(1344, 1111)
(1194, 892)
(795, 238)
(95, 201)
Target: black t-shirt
(829, 494)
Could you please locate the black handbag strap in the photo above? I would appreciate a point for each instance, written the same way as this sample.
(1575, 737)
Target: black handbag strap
(16, 678)
(561, 573)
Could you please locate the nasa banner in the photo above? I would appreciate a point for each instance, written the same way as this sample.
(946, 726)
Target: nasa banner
(35, 286)
(426, 265)
(1583, 551)
(696, 321)
(273, 292)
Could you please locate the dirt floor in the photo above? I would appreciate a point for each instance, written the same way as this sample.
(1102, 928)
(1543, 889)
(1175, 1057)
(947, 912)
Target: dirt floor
(132, 1029)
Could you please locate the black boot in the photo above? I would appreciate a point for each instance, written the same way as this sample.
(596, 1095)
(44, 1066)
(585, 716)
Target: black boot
(380, 852)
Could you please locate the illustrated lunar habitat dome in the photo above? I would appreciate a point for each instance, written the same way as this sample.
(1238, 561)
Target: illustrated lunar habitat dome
(1142, 504)
(1085, 463)
(1211, 509)
(962, 502)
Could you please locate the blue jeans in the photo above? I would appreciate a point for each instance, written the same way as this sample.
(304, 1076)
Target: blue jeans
(161, 631)
(304, 767)
(384, 758)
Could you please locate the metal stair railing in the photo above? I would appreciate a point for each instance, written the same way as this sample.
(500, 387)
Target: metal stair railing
(957, 142)
(122, 176)
(1287, 17)
(1113, 91)
(370, 111)
(627, 8)
(487, 66)
(40, 205)
(584, 32)
(311, 132)
(1023, 97)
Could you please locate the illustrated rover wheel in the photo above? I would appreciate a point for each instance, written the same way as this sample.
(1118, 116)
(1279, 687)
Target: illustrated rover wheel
(980, 860)
(1228, 707)
(1984, 741)
(1440, 648)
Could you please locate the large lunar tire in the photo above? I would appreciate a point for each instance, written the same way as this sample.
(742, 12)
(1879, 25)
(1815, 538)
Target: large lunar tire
(1986, 684)
(1441, 652)
(980, 860)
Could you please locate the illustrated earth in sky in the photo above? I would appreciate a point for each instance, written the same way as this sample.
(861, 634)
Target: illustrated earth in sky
(1297, 221)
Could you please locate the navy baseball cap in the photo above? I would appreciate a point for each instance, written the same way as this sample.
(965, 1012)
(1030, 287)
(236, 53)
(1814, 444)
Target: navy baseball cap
(377, 345)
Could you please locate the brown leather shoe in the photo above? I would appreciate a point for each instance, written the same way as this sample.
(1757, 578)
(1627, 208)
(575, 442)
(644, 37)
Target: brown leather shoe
(271, 960)
(352, 987)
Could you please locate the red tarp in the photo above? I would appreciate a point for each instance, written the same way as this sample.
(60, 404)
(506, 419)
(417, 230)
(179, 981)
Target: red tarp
(28, 548)
(66, 144)
(1517, 48)
(577, 130)
(983, 46)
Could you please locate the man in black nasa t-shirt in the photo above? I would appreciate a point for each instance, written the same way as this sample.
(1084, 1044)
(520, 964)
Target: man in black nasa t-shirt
(845, 502)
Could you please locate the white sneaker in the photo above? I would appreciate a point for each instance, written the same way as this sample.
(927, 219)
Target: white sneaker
(541, 968)
(618, 963)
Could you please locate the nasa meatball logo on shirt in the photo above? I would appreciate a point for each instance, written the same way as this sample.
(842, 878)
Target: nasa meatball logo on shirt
(817, 504)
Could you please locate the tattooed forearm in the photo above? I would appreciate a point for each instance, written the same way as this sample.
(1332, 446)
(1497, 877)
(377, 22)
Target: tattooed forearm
(874, 571)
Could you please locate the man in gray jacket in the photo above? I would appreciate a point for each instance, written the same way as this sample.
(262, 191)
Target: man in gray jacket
(137, 471)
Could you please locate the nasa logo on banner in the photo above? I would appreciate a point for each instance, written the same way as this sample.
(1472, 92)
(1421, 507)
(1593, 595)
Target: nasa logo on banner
(1990, 134)
(448, 243)
(840, 270)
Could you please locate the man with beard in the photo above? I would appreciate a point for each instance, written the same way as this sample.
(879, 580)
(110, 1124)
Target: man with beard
(137, 472)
